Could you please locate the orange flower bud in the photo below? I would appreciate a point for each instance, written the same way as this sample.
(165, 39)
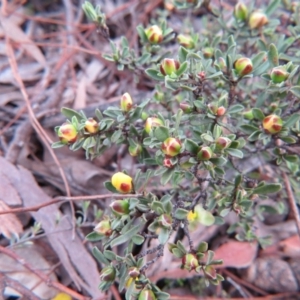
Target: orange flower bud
(222, 143)
(122, 183)
(108, 274)
(165, 221)
(272, 124)
(190, 262)
(257, 19)
(185, 41)
(169, 66)
(240, 12)
(208, 52)
(279, 74)
(171, 146)
(154, 34)
(221, 111)
(205, 153)
(120, 207)
(67, 133)
(152, 122)
(243, 66)
(103, 228)
(126, 102)
(91, 125)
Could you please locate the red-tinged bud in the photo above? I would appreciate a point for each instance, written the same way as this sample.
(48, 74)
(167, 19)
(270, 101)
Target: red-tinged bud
(134, 272)
(279, 74)
(257, 19)
(190, 262)
(67, 133)
(248, 114)
(186, 108)
(103, 228)
(208, 52)
(159, 96)
(126, 102)
(201, 75)
(272, 124)
(154, 34)
(205, 153)
(165, 221)
(168, 163)
(221, 111)
(91, 125)
(222, 143)
(135, 150)
(186, 41)
(240, 12)
(152, 122)
(108, 274)
(243, 66)
(273, 106)
(120, 207)
(171, 146)
(146, 294)
(169, 66)
(122, 183)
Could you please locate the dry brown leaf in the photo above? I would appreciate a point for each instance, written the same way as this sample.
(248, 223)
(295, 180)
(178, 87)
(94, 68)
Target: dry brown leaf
(9, 223)
(80, 99)
(236, 254)
(291, 246)
(272, 274)
(7, 191)
(18, 272)
(14, 32)
(73, 255)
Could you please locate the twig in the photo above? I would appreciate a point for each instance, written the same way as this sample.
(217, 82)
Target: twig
(5, 281)
(42, 275)
(291, 200)
(63, 199)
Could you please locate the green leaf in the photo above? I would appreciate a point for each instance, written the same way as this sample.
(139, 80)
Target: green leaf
(267, 189)
(98, 114)
(70, 113)
(138, 239)
(108, 185)
(126, 236)
(191, 146)
(218, 161)
(249, 129)
(161, 133)
(180, 213)
(182, 54)
(235, 152)
(94, 237)
(235, 108)
(99, 256)
(273, 56)
(258, 114)
(166, 176)
(296, 90)
(163, 236)
(141, 32)
(272, 7)
(292, 120)
(109, 254)
(254, 136)
(258, 59)
(182, 68)
(291, 158)
(288, 139)
(58, 144)
(214, 75)
(116, 135)
(154, 74)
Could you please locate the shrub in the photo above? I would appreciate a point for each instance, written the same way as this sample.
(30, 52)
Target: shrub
(221, 99)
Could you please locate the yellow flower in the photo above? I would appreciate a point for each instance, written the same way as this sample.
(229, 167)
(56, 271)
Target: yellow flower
(192, 216)
(122, 183)
(62, 296)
